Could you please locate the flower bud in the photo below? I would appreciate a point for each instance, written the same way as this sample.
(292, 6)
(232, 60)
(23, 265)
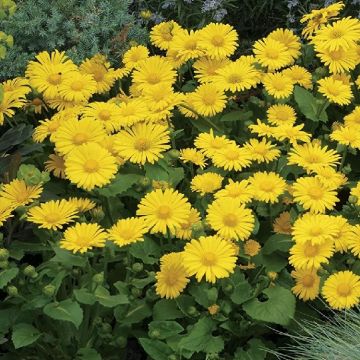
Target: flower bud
(136, 292)
(137, 267)
(146, 14)
(98, 278)
(154, 334)
(4, 264)
(49, 290)
(4, 254)
(121, 341)
(192, 310)
(30, 271)
(174, 154)
(272, 275)
(353, 199)
(12, 290)
(31, 175)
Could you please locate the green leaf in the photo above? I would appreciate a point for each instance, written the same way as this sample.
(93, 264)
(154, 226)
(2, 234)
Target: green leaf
(156, 172)
(238, 115)
(66, 310)
(24, 335)
(279, 308)
(83, 296)
(1, 92)
(156, 349)
(200, 338)
(8, 317)
(203, 294)
(148, 250)
(185, 302)
(166, 309)
(274, 262)
(256, 351)
(138, 312)
(311, 107)
(176, 175)
(242, 290)
(120, 184)
(166, 328)
(7, 275)
(281, 242)
(87, 354)
(105, 299)
(15, 136)
(68, 259)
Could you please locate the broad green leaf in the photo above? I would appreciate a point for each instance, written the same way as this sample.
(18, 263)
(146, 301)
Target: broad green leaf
(238, 115)
(7, 275)
(36, 302)
(176, 175)
(184, 303)
(8, 317)
(276, 261)
(166, 328)
(138, 312)
(156, 349)
(156, 172)
(313, 108)
(68, 259)
(203, 294)
(24, 334)
(66, 310)
(120, 184)
(242, 290)
(15, 136)
(281, 242)
(83, 296)
(87, 354)
(148, 251)
(279, 308)
(256, 351)
(105, 299)
(166, 309)
(200, 338)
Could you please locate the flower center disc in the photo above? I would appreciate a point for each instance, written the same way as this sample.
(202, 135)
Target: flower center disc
(311, 250)
(142, 144)
(209, 259)
(79, 138)
(91, 166)
(344, 290)
(54, 79)
(308, 280)
(77, 86)
(230, 220)
(104, 115)
(217, 40)
(164, 212)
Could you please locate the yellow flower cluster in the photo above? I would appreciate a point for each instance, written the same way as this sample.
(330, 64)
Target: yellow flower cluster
(235, 179)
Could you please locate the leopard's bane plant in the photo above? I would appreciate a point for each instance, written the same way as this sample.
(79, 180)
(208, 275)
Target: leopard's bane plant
(182, 203)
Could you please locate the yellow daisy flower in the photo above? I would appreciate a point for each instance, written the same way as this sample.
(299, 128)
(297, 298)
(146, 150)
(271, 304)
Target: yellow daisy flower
(210, 144)
(185, 229)
(236, 76)
(329, 177)
(282, 224)
(48, 71)
(206, 183)
(344, 236)
(56, 165)
(251, 247)
(236, 190)
(292, 133)
(20, 194)
(287, 38)
(161, 35)
(313, 157)
(267, 186)
(142, 143)
(82, 237)
(354, 240)
(232, 157)
(6, 209)
(279, 114)
(278, 85)
(53, 214)
(99, 68)
(314, 228)
(230, 219)
(77, 87)
(109, 114)
(90, 165)
(342, 290)
(272, 53)
(308, 256)
(172, 279)
(185, 44)
(164, 210)
(353, 119)
(347, 135)
(74, 133)
(193, 156)
(210, 257)
(206, 68)
(262, 151)
(335, 90)
(208, 99)
(82, 204)
(152, 71)
(307, 284)
(128, 231)
(299, 75)
(134, 56)
(314, 195)
(218, 40)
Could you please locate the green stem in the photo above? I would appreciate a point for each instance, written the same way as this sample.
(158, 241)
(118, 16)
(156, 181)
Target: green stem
(343, 159)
